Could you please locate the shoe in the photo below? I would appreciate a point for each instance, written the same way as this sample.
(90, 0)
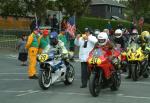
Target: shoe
(83, 86)
(33, 77)
(128, 77)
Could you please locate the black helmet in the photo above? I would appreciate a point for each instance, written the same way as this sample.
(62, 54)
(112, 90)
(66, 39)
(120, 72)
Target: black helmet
(96, 32)
(88, 30)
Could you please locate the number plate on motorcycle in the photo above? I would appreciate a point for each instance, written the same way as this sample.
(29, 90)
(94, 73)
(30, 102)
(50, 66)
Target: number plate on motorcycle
(95, 60)
(43, 57)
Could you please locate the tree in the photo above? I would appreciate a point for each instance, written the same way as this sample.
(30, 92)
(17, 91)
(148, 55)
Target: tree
(72, 7)
(12, 7)
(37, 6)
(137, 8)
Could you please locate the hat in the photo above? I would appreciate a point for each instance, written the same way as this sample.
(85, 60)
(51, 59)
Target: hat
(45, 32)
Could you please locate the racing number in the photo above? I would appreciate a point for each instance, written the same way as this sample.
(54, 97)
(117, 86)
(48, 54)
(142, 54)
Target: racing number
(42, 58)
(94, 60)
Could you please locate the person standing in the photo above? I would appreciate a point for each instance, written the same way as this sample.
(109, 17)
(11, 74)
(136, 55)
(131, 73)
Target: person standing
(43, 40)
(62, 37)
(32, 46)
(54, 22)
(86, 43)
(22, 50)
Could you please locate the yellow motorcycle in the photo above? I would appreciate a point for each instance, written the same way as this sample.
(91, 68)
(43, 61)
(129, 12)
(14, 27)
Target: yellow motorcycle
(137, 61)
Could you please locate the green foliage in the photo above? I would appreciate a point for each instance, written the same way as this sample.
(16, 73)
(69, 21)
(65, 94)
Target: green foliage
(137, 9)
(98, 23)
(73, 7)
(12, 7)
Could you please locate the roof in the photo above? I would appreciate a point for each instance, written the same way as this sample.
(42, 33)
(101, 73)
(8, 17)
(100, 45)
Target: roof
(107, 2)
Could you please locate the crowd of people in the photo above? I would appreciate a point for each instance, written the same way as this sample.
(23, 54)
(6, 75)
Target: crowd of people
(106, 39)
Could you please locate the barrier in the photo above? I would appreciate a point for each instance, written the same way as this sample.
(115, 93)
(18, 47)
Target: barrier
(9, 38)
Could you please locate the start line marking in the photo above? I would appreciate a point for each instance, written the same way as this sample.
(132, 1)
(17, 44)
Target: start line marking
(27, 92)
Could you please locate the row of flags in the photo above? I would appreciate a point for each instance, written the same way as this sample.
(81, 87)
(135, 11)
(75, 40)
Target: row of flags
(71, 27)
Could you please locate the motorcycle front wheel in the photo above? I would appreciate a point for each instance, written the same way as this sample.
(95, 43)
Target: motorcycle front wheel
(116, 79)
(45, 79)
(135, 68)
(95, 83)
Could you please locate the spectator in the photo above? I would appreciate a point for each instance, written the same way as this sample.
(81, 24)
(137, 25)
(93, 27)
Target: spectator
(33, 24)
(64, 24)
(86, 44)
(120, 26)
(22, 50)
(54, 22)
(62, 37)
(43, 40)
(109, 26)
(32, 46)
(48, 21)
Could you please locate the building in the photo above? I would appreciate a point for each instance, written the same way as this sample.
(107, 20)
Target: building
(106, 8)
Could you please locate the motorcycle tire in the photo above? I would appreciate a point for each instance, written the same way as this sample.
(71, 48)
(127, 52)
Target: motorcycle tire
(145, 75)
(45, 79)
(95, 84)
(116, 80)
(70, 74)
(135, 71)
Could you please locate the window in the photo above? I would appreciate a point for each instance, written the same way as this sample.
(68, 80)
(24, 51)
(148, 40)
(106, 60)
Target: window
(120, 10)
(109, 9)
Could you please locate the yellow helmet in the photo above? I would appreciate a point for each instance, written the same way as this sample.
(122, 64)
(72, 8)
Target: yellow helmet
(144, 35)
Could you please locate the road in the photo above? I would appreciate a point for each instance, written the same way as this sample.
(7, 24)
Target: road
(15, 87)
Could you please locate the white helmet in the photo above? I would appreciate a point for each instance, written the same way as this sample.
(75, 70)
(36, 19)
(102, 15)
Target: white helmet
(134, 32)
(118, 33)
(102, 38)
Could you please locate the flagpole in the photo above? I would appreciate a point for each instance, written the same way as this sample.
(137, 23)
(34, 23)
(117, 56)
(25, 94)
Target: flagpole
(36, 22)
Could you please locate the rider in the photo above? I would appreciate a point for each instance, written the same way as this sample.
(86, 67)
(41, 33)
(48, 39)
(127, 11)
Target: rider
(133, 36)
(144, 39)
(108, 47)
(118, 38)
(57, 45)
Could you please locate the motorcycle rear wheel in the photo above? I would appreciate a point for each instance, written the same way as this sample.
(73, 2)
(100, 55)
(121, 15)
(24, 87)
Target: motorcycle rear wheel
(95, 84)
(70, 74)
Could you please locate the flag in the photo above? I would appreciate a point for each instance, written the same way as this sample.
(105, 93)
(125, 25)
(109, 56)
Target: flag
(71, 27)
(141, 21)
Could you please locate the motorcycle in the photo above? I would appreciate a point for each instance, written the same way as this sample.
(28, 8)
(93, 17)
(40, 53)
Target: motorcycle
(103, 73)
(54, 68)
(137, 61)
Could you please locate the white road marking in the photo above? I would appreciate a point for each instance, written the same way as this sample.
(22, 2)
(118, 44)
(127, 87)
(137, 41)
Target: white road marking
(135, 97)
(12, 91)
(146, 83)
(28, 92)
(12, 79)
(13, 73)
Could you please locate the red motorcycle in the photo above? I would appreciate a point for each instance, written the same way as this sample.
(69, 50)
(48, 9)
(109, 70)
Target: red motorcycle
(104, 73)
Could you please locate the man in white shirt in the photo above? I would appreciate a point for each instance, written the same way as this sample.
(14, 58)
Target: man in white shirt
(86, 43)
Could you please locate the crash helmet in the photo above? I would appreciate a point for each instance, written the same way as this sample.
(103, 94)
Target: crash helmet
(118, 33)
(53, 38)
(145, 36)
(102, 38)
(96, 32)
(134, 32)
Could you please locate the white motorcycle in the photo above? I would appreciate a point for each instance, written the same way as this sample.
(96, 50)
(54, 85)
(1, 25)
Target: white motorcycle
(54, 68)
